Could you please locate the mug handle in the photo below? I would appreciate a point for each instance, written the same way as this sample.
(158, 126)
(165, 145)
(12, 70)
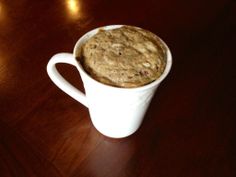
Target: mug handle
(57, 78)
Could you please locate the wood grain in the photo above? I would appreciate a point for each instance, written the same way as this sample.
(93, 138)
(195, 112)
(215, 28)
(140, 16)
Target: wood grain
(189, 129)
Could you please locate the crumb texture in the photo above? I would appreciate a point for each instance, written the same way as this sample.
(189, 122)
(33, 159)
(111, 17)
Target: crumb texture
(124, 57)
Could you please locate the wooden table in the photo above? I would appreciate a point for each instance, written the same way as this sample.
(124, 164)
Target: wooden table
(189, 129)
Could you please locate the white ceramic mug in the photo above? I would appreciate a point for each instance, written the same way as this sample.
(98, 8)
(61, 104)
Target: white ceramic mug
(115, 112)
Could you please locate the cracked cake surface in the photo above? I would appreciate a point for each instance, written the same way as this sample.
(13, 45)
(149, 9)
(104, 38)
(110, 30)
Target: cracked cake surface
(124, 57)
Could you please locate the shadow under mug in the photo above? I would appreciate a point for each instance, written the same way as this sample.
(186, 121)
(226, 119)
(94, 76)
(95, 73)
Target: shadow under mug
(115, 112)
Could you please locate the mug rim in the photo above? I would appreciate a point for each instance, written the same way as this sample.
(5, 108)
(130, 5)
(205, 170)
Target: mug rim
(156, 82)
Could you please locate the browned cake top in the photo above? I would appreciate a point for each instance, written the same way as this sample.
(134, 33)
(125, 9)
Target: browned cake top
(124, 57)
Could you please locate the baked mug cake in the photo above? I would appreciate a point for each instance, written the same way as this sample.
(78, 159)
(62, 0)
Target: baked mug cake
(121, 67)
(123, 57)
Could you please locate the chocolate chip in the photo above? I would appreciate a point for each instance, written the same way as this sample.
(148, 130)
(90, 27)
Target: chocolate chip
(143, 73)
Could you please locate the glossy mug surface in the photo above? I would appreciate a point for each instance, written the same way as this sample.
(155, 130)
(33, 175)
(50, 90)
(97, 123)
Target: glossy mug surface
(115, 112)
